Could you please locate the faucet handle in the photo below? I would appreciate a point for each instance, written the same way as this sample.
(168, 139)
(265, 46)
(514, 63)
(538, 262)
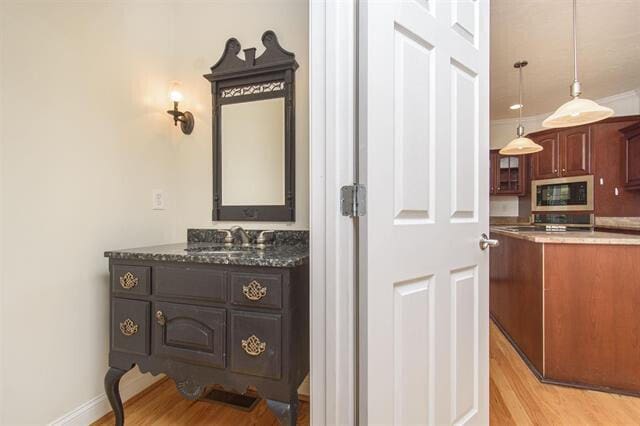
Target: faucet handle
(228, 236)
(262, 239)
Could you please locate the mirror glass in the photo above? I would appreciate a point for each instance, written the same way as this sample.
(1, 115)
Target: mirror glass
(253, 152)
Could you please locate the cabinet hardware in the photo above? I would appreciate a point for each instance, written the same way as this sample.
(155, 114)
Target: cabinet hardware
(128, 327)
(160, 319)
(253, 346)
(254, 290)
(128, 281)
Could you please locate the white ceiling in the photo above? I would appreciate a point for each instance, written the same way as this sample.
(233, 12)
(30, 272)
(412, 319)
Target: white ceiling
(540, 32)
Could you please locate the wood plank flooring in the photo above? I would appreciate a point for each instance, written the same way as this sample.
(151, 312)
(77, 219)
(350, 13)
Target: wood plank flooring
(162, 405)
(517, 398)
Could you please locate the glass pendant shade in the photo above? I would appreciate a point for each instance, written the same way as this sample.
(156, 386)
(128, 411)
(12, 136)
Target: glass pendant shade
(520, 146)
(576, 112)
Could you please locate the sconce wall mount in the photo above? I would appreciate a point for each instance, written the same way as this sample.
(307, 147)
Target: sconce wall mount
(185, 118)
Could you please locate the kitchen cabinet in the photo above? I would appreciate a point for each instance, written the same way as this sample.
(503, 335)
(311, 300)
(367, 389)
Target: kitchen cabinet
(580, 340)
(565, 153)
(631, 156)
(507, 174)
(545, 162)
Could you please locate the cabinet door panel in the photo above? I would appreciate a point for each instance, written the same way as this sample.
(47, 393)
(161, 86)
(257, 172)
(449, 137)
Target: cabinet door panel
(130, 326)
(256, 344)
(545, 162)
(575, 151)
(191, 333)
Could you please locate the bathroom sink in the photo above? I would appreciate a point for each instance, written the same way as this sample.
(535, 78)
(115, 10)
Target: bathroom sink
(216, 250)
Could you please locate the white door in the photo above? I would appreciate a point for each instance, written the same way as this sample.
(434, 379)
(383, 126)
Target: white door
(424, 98)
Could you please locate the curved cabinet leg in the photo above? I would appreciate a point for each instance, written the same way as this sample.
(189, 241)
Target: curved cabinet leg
(111, 382)
(287, 413)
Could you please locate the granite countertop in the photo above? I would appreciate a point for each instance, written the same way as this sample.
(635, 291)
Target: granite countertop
(289, 249)
(625, 223)
(568, 237)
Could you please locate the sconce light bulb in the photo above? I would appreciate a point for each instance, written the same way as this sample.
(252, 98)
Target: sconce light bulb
(176, 96)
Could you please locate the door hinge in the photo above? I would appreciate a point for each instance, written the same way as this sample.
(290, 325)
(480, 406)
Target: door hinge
(353, 200)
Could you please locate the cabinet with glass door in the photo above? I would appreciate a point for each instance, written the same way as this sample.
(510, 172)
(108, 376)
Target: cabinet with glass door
(507, 174)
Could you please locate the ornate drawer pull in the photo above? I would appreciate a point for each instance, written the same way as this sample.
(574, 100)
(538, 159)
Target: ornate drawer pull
(128, 327)
(254, 290)
(253, 346)
(160, 318)
(128, 281)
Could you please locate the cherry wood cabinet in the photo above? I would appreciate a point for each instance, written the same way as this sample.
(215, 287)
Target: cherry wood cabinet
(631, 156)
(566, 153)
(507, 174)
(546, 162)
(589, 335)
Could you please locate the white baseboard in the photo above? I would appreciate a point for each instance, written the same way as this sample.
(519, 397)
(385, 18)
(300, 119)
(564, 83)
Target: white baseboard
(97, 407)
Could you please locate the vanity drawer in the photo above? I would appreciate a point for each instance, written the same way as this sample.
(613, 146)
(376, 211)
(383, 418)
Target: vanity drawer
(256, 344)
(264, 290)
(190, 283)
(130, 326)
(191, 333)
(135, 280)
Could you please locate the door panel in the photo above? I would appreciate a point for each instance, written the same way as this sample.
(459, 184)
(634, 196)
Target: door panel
(575, 151)
(464, 143)
(545, 162)
(192, 333)
(424, 129)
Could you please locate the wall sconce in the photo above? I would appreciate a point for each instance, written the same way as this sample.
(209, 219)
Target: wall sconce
(185, 118)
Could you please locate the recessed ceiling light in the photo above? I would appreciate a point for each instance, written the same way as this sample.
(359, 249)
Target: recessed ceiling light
(515, 106)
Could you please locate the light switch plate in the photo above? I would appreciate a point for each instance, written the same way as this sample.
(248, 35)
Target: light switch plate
(157, 199)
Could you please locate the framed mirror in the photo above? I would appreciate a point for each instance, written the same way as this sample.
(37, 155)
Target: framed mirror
(254, 133)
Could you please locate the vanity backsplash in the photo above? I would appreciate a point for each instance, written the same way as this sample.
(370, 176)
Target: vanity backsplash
(279, 237)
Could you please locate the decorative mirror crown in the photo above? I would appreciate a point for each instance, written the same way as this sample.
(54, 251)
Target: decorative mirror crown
(274, 58)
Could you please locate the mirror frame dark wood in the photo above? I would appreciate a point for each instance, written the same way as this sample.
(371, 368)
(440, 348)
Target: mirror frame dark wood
(234, 80)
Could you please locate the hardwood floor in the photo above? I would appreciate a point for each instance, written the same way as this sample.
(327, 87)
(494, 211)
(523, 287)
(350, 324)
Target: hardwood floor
(517, 398)
(163, 405)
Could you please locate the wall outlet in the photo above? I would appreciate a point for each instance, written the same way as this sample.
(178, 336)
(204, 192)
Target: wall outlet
(157, 199)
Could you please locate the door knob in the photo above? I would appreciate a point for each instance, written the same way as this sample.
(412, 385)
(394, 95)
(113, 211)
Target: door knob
(487, 242)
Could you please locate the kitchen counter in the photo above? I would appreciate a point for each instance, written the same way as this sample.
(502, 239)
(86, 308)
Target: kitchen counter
(289, 249)
(568, 237)
(568, 302)
(622, 223)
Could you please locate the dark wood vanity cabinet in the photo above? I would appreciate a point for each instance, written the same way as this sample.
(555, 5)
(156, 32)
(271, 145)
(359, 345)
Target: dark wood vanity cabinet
(565, 153)
(202, 325)
(507, 174)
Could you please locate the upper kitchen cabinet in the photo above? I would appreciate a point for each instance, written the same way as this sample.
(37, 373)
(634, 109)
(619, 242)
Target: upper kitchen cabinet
(575, 151)
(631, 156)
(566, 153)
(545, 162)
(507, 174)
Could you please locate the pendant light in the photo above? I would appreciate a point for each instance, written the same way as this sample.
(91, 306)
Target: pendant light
(577, 111)
(520, 145)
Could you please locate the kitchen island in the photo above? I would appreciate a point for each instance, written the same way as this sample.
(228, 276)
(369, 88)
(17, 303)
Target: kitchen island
(568, 302)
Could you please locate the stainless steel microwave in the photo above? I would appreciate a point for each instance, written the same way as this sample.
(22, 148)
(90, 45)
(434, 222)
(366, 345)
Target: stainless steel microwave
(562, 194)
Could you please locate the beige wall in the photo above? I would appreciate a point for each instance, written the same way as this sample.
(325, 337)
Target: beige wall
(85, 139)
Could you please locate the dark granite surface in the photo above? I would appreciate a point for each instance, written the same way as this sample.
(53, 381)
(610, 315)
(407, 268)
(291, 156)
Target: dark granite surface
(286, 251)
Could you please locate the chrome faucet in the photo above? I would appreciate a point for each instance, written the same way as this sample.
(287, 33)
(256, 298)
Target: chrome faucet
(262, 239)
(243, 235)
(228, 237)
